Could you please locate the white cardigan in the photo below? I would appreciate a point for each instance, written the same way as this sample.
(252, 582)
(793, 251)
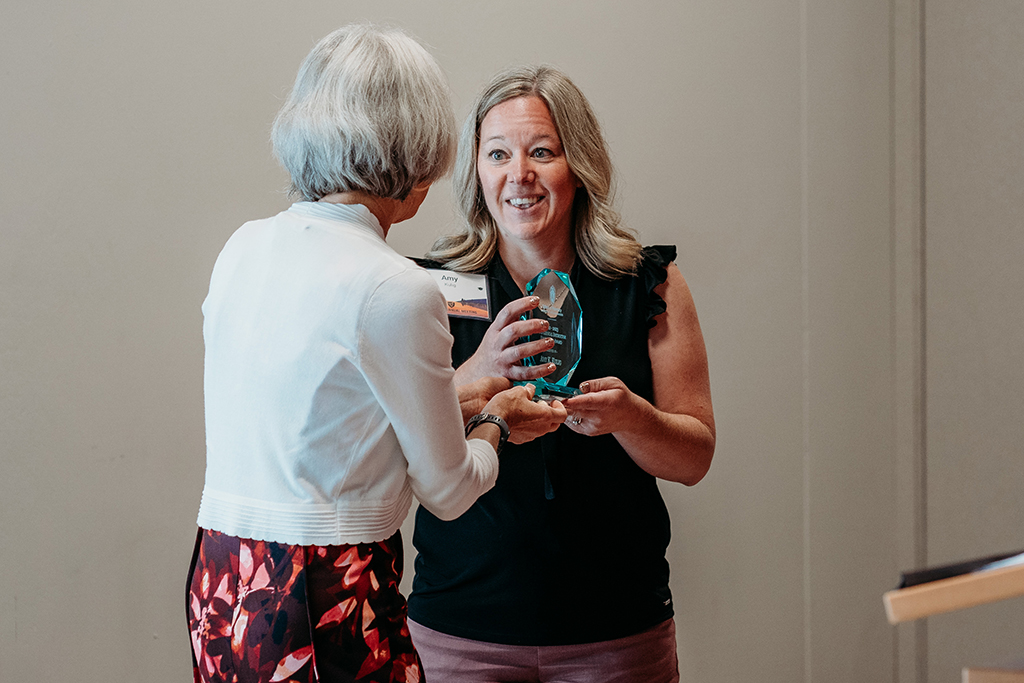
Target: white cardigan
(328, 384)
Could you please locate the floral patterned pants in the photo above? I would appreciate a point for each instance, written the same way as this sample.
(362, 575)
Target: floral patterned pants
(262, 612)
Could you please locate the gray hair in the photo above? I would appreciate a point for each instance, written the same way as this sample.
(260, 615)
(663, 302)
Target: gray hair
(370, 111)
(605, 248)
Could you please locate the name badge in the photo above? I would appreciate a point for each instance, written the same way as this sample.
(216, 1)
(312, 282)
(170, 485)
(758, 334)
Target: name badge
(465, 293)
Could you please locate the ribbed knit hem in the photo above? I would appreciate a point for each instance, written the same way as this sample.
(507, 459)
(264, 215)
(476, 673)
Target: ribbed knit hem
(338, 523)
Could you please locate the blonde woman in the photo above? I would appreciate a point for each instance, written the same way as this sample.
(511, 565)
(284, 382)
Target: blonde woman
(559, 572)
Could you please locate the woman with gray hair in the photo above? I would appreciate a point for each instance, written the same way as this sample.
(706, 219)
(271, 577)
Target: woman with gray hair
(329, 392)
(559, 572)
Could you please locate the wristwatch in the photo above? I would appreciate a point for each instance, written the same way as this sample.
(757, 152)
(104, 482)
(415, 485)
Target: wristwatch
(481, 418)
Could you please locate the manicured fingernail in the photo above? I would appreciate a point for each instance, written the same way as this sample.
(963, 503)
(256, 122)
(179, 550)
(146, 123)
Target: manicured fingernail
(551, 367)
(585, 387)
(534, 300)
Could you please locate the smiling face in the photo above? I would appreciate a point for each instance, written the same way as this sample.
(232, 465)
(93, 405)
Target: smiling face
(525, 177)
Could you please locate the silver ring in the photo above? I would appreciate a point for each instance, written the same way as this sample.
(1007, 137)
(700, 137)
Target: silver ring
(576, 420)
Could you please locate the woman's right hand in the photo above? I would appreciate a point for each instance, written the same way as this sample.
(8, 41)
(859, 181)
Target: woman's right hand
(526, 419)
(498, 354)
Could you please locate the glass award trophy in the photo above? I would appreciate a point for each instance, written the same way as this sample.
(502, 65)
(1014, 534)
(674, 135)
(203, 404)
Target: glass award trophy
(561, 308)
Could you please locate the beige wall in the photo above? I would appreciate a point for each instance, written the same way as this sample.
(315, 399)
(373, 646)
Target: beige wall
(776, 142)
(974, 211)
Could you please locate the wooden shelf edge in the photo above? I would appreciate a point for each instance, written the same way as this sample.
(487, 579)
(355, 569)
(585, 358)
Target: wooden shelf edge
(947, 595)
(988, 674)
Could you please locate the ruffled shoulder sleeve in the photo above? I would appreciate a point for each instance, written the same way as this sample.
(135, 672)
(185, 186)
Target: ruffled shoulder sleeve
(652, 270)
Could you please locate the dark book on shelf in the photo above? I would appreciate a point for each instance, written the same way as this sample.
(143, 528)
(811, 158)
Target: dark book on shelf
(948, 571)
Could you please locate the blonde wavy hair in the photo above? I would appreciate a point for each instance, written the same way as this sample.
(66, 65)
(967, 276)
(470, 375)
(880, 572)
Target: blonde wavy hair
(602, 244)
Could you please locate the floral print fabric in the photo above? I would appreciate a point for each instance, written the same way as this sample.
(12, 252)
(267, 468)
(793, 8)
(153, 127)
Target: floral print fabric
(262, 612)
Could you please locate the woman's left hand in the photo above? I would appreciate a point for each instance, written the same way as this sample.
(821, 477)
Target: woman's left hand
(673, 436)
(605, 406)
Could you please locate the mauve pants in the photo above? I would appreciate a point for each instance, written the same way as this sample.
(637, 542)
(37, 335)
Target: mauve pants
(648, 657)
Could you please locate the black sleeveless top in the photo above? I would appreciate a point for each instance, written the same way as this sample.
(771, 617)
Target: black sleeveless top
(569, 546)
